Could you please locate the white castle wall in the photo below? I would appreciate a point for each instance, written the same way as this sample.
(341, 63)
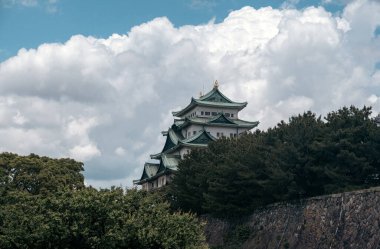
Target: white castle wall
(191, 130)
(184, 151)
(197, 111)
(216, 131)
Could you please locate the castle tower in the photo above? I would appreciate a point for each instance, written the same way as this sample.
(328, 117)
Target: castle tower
(210, 117)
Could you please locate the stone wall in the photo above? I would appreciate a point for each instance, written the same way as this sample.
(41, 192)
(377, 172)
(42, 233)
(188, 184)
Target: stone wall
(347, 220)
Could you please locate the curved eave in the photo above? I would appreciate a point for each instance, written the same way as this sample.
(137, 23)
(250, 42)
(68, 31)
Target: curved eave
(168, 162)
(145, 175)
(250, 126)
(239, 105)
(156, 156)
(173, 149)
(197, 102)
(214, 91)
(186, 109)
(183, 144)
(171, 140)
(166, 171)
(193, 138)
(221, 115)
(178, 147)
(246, 124)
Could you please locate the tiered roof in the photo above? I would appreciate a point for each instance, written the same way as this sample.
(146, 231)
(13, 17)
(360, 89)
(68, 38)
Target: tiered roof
(169, 156)
(214, 98)
(176, 141)
(152, 171)
(168, 163)
(219, 120)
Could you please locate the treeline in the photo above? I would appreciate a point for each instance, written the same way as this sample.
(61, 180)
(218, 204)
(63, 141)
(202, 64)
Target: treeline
(44, 204)
(304, 157)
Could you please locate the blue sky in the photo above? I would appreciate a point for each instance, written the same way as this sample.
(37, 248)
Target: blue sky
(97, 80)
(29, 23)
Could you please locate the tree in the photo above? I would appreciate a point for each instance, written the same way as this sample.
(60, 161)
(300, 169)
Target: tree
(44, 204)
(303, 157)
(349, 149)
(191, 182)
(39, 175)
(89, 218)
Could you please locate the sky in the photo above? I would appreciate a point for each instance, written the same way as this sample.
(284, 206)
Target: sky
(97, 80)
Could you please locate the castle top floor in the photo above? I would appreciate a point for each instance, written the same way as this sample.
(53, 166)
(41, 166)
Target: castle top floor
(211, 104)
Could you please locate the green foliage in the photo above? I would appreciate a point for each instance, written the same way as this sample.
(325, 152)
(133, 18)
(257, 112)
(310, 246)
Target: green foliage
(89, 218)
(44, 204)
(301, 158)
(39, 175)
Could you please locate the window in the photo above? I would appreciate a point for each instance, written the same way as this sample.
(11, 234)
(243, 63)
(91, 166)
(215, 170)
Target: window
(234, 134)
(227, 114)
(207, 113)
(217, 134)
(194, 132)
(202, 113)
(214, 113)
(162, 181)
(232, 115)
(221, 134)
(231, 135)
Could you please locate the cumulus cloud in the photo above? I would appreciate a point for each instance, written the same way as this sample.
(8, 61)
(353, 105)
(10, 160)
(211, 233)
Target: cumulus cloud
(84, 152)
(120, 151)
(105, 101)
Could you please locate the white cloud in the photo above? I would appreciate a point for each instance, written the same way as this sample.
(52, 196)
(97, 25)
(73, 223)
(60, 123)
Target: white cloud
(51, 6)
(202, 4)
(19, 119)
(105, 101)
(84, 152)
(337, 2)
(289, 4)
(120, 151)
(26, 3)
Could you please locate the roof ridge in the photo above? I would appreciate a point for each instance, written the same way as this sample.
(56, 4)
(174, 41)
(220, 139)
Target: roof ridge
(212, 92)
(204, 100)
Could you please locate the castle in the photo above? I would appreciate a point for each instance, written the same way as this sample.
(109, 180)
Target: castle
(210, 117)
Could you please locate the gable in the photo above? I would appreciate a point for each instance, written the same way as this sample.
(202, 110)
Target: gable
(150, 169)
(202, 139)
(216, 96)
(221, 120)
(168, 144)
